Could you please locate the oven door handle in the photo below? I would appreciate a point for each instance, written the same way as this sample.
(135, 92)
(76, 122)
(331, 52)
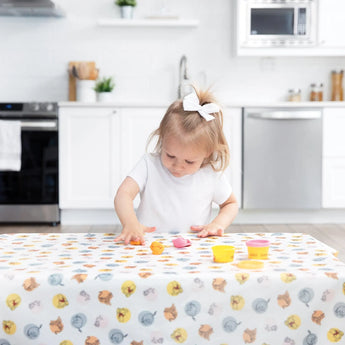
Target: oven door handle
(39, 125)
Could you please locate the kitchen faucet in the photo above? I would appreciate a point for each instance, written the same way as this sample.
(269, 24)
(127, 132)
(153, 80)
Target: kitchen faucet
(184, 82)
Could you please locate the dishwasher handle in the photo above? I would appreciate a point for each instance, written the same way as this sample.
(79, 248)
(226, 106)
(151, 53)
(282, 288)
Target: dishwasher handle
(286, 115)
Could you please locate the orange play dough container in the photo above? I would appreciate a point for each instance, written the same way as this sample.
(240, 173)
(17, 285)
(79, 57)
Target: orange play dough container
(258, 249)
(223, 253)
(157, 248)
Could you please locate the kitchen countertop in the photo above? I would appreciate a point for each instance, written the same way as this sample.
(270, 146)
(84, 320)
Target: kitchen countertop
(153, 104)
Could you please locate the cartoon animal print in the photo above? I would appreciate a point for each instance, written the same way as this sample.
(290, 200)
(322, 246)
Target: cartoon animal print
(170, 313)
(205, 331)
(334, 335)
(80, 278)
(237, 302)
(287, 277)
(179, 335)
(56, 326)
(60, 301)
(284, 300)
(128, 288)
(13, 300)
(293, 321)
(242, 277)
(105, 297)
(219, 284)
(174, 288)
(30, 284)
(91, 340)
(317, 317)
(332, 275)
(249, 335)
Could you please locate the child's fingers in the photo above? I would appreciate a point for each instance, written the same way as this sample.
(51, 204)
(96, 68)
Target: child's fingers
(197, 227)
(203, 233)
(150, 229)
(220, 232)
(118, 238)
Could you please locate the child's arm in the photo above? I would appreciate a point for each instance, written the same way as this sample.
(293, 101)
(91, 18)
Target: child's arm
(227, 213)
(123, 202)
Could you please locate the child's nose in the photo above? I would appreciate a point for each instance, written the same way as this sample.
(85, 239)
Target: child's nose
(178, 164)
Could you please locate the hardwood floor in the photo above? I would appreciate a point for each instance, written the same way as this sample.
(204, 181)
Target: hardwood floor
(331, 234)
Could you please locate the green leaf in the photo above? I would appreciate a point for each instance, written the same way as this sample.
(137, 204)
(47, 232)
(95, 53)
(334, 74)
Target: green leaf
(126, 2)
(105, 85)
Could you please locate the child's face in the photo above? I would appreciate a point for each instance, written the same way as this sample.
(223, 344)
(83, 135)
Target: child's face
(181, 159)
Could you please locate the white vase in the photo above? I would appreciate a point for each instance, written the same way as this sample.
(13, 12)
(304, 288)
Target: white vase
(126, 12)
(85, 90)
(105, 97)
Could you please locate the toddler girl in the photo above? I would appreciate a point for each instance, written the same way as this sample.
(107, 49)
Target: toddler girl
(183, 177)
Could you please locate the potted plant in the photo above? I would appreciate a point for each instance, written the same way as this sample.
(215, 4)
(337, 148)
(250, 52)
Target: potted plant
(126, 7)
(104, 88)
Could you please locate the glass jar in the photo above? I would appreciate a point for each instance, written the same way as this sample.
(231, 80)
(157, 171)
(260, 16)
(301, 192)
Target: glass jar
(337, 86)
(320, 92)
(294, 95)
(316, 92)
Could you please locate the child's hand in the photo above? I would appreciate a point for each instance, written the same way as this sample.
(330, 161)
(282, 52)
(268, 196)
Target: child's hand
(208, 230)
(134, 233)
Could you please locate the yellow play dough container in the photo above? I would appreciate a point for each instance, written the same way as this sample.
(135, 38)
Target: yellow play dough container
(223, 253)
(258, 249)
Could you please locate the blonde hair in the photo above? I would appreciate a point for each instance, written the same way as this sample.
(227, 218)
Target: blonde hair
(192, 129)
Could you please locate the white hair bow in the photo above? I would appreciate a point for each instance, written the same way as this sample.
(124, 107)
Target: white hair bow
(191, 103)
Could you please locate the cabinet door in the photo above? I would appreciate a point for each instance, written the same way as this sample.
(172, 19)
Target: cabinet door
(233, 134)
(333, 186)
(136, 126)
(89, 157)
(331, 24)
(333, 166)
(333, 132)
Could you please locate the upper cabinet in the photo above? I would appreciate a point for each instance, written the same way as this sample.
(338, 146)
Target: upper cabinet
(289, 27)
(332, 26)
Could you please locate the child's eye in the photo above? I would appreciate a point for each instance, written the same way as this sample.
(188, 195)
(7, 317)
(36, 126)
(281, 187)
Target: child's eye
(170, 156)
(189, 162)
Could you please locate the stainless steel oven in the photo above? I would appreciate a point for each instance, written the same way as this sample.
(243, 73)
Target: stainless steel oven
(30, 195)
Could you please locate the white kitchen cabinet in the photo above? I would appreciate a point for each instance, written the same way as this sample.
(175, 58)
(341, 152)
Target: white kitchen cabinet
(88, 156)
(98, 148)
(136, 126)
(332, 25)
(333, 170)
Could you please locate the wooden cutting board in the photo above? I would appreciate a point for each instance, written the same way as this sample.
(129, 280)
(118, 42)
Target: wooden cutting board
(72, 80)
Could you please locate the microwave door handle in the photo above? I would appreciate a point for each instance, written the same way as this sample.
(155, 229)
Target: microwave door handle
(287, 115)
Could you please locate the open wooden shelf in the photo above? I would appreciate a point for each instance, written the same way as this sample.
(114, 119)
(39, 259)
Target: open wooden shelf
(148, 22)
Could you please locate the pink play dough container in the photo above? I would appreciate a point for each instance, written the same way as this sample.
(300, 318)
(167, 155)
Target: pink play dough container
(258, 249)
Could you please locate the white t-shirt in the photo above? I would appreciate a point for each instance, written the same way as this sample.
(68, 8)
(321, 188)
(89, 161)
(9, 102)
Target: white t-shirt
(175, 203)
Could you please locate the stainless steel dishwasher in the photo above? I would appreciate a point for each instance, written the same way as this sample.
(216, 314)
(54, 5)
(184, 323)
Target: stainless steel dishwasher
(282, 157)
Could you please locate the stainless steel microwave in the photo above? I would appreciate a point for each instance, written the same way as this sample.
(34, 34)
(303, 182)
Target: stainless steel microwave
(277, 23)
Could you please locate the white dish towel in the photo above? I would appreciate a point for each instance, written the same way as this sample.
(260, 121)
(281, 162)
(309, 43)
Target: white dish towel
(10, 146)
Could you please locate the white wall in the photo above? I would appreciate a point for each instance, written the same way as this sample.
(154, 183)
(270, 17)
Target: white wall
(34, 55)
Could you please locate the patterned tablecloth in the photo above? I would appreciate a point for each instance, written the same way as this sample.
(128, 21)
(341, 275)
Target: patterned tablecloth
(76, 289)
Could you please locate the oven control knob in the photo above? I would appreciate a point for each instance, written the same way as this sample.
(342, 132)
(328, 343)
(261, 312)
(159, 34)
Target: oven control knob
(49, 107)
(35, 106)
